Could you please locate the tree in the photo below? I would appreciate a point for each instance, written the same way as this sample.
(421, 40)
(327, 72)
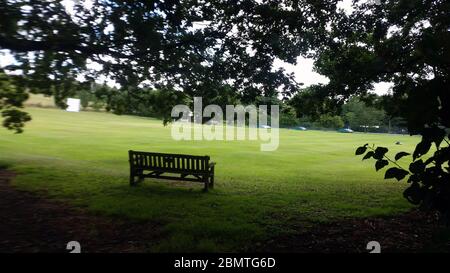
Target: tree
(160, 43)
(331, 122)
(314, 101)
(405, 42)
(288, 116)
(145, 102)
(360, 116)
(11, 99)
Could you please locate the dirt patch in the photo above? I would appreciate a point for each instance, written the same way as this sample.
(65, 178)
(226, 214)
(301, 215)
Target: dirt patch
(413, 231)
(30, 223)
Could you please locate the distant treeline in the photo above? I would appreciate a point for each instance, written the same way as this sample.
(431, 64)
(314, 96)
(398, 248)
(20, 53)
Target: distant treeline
(360, 113)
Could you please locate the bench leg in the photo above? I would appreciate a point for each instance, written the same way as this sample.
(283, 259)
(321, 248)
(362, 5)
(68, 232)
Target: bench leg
(211, 177)
(211, 181)
(132, 183)
(206, 180)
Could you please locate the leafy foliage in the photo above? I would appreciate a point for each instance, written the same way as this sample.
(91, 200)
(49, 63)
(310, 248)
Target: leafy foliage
(428, 178)
(141, 101)
(328, 121)
(407, 43)
(358, 115)
(313, 102)
(11, 99)
(14, 119)
(403, 42)
(288, 116)
(192, 46)
(364, 113)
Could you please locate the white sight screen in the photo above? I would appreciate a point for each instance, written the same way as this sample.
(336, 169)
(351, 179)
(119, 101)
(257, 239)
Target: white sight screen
(73, 105)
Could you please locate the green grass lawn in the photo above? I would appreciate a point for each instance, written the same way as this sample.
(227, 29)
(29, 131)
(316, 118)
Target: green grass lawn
(314, 176)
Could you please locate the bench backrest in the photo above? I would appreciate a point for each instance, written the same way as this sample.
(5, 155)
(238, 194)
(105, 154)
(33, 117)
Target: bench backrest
(175, 162)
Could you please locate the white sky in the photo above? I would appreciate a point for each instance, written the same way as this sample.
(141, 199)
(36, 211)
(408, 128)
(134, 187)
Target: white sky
(303, 70)
(5, 58)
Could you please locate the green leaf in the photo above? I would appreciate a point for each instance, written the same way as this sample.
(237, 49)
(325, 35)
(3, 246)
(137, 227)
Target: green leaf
(380, 152)
(414, 178)
(361, 150)
(414, 194)
(422, 148)
(417, 166)
(396, 173)
(400, 155)
(381, 164)
(368, 155)
(434, 134)
(429, 160)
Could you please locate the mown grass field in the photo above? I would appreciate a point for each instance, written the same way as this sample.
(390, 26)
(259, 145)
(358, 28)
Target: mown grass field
(314, 176)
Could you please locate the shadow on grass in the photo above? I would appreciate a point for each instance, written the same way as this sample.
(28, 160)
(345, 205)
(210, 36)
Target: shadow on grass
(4, 165)
(156, 190)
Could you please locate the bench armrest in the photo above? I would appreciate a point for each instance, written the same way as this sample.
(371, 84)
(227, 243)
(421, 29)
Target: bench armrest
(212, 164)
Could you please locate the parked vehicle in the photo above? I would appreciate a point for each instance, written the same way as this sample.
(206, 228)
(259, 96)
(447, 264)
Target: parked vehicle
(345, 130)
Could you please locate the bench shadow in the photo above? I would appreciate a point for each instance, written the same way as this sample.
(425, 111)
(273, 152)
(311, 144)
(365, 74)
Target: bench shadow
(167, 188)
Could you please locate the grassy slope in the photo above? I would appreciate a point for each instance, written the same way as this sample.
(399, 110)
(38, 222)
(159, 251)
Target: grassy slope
(313, 176)
(38, 100)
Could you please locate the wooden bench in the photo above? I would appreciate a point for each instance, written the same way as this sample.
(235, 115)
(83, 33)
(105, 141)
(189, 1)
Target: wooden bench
(187, 167)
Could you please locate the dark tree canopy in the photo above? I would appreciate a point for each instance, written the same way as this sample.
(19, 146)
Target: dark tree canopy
(314, 101)
(193, 46)
(406, 42)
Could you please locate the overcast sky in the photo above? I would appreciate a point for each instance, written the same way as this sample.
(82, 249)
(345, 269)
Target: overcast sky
(303, 71)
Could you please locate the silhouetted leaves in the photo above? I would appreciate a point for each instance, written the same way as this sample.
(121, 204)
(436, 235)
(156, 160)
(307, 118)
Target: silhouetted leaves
(417, 166)
(429, 186)
(422, 148)
(381, 164)
(158, 43)
(434, 134)
(441, 156)
(429, 160)
(15, 119)
(361, 150)
(396, 173)
(414, 194)
(402, 57)
(368, 155)
(400, 155)
(380, 152)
